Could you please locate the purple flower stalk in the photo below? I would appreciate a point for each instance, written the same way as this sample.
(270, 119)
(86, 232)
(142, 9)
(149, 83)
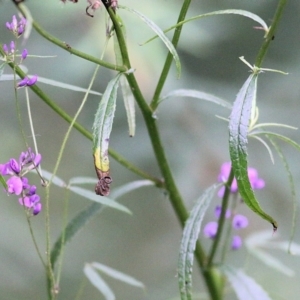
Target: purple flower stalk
(17, 184)
(256, 182)
(238, 221)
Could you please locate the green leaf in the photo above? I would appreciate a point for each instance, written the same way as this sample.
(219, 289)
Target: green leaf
(188, 242)
(263, 239)
(101, 134)
(117, 274)
(82, 180)
(281, 137)
(244, 13)
(243, 285)
(126, 188)
(238, 133)
(161, 35)
(72, 228)
(198, 95)
(54, 179)
(2, 70)
(96, 280)
(129, 103)
(10, 77)
(292, 189)
(3, 182)
(102, 200)
(128, 97)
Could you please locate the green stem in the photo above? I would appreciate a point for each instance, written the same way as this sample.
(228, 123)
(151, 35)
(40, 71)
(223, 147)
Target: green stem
(221, 222)
(271, 34)
(174, 195)
(169, 59)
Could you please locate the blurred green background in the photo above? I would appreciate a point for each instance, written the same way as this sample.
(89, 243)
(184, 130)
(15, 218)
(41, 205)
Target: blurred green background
(145, 245)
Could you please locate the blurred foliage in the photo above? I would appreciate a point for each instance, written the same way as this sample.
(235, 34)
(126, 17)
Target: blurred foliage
(146, 244)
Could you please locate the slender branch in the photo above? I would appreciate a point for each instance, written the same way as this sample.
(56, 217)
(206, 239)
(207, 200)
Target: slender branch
(271, 34)
(221, 222)
(169, 59)
(69, 48)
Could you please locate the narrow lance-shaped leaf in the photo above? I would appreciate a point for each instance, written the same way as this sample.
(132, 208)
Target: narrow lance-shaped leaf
(117, 274)
(188, 243)
(238, 132)
(101, 133)
(241, 12)
(128, 97)
(244, 286)
(198, 95)
(161, 35)
(97, 281)
(3, 182)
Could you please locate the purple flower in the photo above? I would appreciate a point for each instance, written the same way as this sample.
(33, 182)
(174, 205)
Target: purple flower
(29, 158)
(6, 170)
(12, 46)
(17, 28)
(27, 81)
(32, 202)
(239, 221)
(5, 48)
(36, 208)
(218, 210)
(18, 184)
(14, 166)
(23, 82)
(14, 185)
(236, 242)
(256, 182)
(32, 80)
(24, 54)
(210, 230)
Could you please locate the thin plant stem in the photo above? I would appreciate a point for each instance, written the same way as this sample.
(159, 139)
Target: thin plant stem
(36, 151)
(229, 229)
(50, 275)
(169, 59)
(271, 34)
(221, 222)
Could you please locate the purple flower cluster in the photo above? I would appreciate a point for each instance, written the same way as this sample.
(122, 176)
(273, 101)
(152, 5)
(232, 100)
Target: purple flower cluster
(256, 182)
(18, 184)
(238, 221)
(17, 28)
(26, 81)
